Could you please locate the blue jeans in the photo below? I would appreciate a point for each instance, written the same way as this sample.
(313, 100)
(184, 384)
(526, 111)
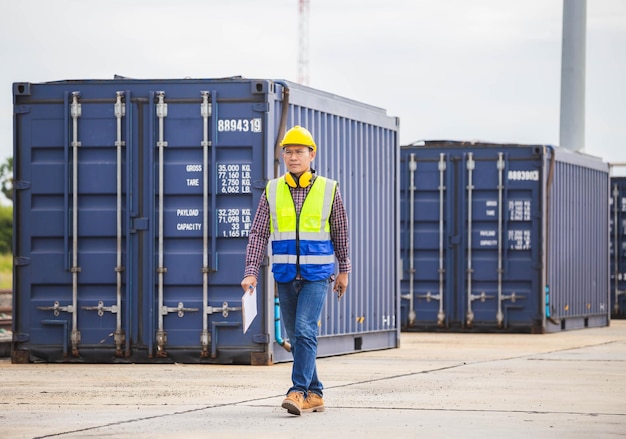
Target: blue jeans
(301, 303)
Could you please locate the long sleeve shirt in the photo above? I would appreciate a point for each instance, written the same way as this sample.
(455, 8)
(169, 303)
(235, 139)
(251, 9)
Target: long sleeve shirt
(260, 231)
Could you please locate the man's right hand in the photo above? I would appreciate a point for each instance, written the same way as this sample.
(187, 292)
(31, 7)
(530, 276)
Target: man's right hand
(248, 283)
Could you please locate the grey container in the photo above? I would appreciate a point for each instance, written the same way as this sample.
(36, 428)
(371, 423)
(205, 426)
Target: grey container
(503, 237)
(133, 202)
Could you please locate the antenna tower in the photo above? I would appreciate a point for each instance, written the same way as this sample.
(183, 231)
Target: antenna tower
(303, 42)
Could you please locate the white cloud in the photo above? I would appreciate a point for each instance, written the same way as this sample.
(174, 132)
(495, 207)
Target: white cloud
(485, 69)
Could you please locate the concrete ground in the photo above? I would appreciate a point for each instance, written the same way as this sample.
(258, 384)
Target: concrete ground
(564, 385)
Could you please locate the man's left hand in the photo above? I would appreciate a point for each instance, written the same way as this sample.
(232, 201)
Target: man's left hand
(341, 284)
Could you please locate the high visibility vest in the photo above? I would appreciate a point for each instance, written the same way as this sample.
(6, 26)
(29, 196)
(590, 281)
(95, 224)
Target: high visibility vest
(301, 242)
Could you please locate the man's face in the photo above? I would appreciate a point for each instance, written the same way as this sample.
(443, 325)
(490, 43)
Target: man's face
(298, 158)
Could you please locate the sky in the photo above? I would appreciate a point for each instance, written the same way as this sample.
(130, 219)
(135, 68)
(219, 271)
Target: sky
(449, 69)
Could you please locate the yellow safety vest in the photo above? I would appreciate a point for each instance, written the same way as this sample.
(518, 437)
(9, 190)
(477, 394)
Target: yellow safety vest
(301, 243)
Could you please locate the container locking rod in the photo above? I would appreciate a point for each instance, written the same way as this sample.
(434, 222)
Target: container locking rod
(205, 112)
(161, 112)
(412, 168)
(75, 269)
(120, 112)
(470, 187)
(441, 316)
(500, 314)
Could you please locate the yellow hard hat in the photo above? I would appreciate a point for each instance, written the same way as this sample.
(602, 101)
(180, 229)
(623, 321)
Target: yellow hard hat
(298, 136)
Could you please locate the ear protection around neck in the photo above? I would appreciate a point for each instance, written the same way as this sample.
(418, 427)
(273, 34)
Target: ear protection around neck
(303, 181)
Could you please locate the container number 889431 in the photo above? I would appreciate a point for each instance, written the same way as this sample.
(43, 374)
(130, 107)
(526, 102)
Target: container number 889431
(241, 125)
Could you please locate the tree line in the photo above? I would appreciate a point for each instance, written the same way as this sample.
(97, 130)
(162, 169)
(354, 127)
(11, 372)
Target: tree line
(6, 212)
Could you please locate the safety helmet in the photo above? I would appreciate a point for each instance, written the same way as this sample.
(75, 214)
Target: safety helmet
(298, 136)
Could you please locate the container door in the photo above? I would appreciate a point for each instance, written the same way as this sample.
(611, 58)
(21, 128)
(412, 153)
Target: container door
(201, 152)
(471, 237)
(499, 198)
(427, 240)
(618, 247)
(70, 199)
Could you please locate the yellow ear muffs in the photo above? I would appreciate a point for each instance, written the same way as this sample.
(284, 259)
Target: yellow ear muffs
(303, 181)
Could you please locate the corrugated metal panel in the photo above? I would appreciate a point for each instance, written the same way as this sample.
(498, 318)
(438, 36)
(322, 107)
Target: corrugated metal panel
(133, 204)
(618, 247)
(492, 231)
(359, 149)
(578, 242)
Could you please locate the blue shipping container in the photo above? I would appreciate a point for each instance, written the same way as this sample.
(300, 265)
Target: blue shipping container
(503, 237)
(133, 202)
(618, 247)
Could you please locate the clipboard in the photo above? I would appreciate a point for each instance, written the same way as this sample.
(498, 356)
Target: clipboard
(248, 309)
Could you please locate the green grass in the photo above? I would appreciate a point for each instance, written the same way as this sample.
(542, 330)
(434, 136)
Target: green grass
(6, 271)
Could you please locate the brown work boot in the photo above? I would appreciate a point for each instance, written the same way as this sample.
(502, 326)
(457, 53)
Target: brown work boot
(294, 402)
(313, 403)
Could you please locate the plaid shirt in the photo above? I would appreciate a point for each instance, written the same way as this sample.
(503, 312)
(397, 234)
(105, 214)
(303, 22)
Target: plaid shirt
(260, 231)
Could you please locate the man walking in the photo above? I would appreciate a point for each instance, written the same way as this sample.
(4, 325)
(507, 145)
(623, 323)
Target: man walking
(304, 216)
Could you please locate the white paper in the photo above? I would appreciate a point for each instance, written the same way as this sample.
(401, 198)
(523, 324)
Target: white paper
(248, 308)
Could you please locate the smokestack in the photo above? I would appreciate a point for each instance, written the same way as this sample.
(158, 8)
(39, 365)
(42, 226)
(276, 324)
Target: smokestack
(572, 129)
